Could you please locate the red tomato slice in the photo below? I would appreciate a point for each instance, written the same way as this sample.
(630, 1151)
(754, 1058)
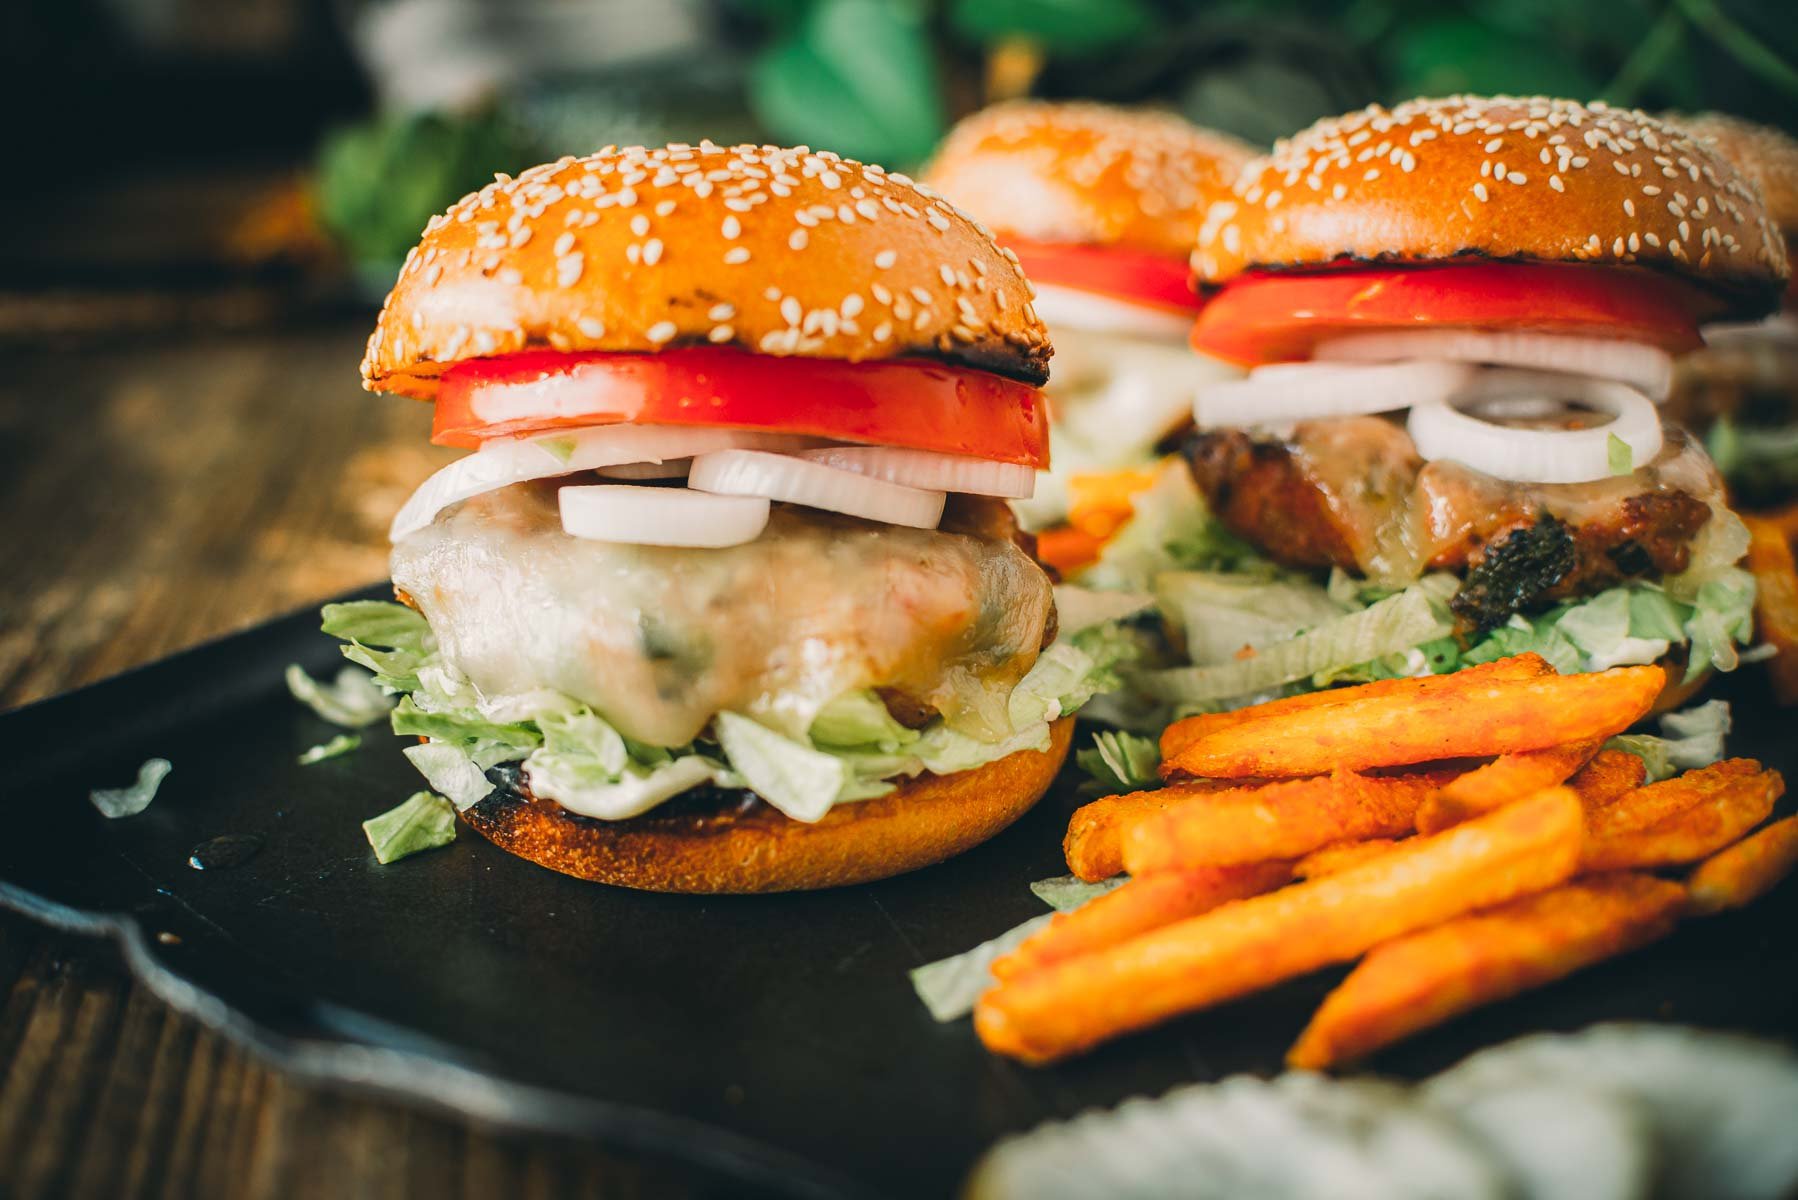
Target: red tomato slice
(1269, 317)
(1124, 274)
(915, 403)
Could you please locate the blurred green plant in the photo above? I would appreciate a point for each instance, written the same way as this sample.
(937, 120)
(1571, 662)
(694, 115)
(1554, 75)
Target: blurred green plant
(377, 183)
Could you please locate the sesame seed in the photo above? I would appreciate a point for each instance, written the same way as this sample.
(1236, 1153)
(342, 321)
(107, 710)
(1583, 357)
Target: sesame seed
(885, 259)
(797, 240)
(790, 310)
(721, 333)
(1517, 177)
(736, 255)
(639, 224)
(1554, 181)
(1479, 189)
(564, 244)
(661, 331)
(591, 327)
(652, 251)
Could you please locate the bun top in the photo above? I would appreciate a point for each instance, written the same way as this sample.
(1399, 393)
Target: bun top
(1502, 177)
(1087, 174)
(1764, 154)
(777, 251)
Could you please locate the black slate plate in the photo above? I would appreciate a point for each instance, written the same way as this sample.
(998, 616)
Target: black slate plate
(775, 1038)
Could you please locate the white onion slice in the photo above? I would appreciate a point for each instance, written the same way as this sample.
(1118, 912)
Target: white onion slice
(930, 470)
(670, 468)
(783, 477)
(502, 462)
(1075, 308)
(1648, 369)
(660, 516)
(1444, 431)
(1284, 392)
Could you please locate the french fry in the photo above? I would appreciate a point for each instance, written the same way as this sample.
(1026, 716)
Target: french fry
(1642, 807)
(1279, 820)
(1249, 944)
(1426, 978)
(1094, 841)
(1439, 718)
(1610, 775)
(1137, 907)
(1501, 781)
(1784, 519)
(1739, 874)
(1180, 734)
(1338, 857)
(1775, 603)
(1736, 805)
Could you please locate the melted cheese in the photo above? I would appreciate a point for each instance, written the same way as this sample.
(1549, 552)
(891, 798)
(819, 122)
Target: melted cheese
(658, 640)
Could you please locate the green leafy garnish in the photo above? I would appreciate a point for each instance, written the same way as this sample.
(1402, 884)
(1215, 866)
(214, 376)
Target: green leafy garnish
(1619, 458)
(342, 744)
(1690, 738)
(129, 801)
(352, 699)
(424, 822)
(1120, 762)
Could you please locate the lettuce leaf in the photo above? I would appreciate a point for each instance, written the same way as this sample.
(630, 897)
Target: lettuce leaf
(450, 770)
(340, 745)
(801, 781)
(1393, 625)
(1064, 892)
(353, 699)
(423, 822)
(1690, 738)
(950, 986)
(389, 639)
(1119, 761)
(114, 803)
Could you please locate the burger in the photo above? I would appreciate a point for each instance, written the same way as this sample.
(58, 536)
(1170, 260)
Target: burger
(1740, 392)
(726, 596)
(1101, 206)
(1458, 317)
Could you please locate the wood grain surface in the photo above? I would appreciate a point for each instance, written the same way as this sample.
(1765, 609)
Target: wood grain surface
(153, 496)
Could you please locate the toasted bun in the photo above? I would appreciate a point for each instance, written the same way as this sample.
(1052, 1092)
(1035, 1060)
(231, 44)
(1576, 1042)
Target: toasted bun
(777, 251)
(1522, 179)
(923, 821)
(1087, 173)
(1764, 154)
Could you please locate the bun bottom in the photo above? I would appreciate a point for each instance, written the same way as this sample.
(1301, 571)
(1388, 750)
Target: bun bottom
(923, 821)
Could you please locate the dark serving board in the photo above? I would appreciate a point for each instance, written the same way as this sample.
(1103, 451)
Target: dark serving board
(776, 1039)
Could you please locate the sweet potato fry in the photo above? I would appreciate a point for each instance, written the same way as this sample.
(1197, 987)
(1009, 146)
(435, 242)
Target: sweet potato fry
(1180, 734)
(1094, 841)
(1422, 980)
(1784, 519)
(1501, 781)
(1249, 944)
(1438, 719)
(1338, 857)
(1642, 807)
(1280, 820)
(1742, 873)
(1067, 549)
(1610, 775)
(1775, 603)
(1099, 502)
(1736, 805)
(1137, 907)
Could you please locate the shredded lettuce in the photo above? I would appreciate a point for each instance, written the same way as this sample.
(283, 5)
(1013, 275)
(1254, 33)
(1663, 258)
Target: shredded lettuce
(1064, 892)
(1691, 738)
(1390, 626)
(1170, 529)
(950, 986)
(1119, 761)
(340, 745)
(114, 803)
(423, 822)
(853, 749)
(353, 699)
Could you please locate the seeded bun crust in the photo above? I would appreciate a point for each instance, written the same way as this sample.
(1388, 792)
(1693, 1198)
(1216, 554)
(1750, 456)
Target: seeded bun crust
(1089, 174)
(1766, 155)
(923, 821)
(1520, 179)
(783, 252)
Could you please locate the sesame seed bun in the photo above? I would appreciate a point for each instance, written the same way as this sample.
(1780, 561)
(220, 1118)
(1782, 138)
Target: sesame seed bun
(1764, 154)
(1521, 179)
(784, 252)
(1088, 174)
(924, 821)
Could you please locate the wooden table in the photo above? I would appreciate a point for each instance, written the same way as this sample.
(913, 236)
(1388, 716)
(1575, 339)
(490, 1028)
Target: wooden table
(153, 496)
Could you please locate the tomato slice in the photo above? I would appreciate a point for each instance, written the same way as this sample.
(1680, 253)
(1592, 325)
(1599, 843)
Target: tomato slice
(915, 403)
(1132, 275)
(1266, 317)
